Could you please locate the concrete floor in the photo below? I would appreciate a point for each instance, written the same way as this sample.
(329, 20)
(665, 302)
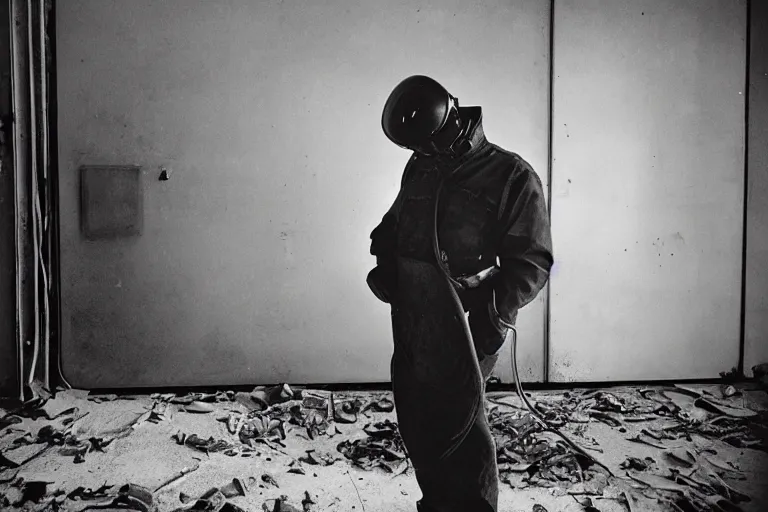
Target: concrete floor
(148, 456)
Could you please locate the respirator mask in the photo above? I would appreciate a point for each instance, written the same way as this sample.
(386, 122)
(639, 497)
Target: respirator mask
(421, 115)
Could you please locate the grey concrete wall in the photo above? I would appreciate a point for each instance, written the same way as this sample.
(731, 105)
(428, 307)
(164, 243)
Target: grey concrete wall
(252, 264)
(647, 181)
(8, 365)
(756, 314)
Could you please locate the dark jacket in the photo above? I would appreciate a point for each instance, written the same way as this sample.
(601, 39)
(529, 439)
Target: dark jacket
(479, 187)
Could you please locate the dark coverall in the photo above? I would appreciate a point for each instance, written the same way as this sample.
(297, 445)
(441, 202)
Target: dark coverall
(492, 209)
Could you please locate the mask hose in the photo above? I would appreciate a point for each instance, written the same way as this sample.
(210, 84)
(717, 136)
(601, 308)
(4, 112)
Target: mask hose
(532, 410)
(473, 282)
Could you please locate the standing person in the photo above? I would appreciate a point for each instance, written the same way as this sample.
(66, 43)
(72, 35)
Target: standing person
(465, 205)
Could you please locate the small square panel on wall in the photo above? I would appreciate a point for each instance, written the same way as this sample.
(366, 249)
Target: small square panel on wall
(111, 201)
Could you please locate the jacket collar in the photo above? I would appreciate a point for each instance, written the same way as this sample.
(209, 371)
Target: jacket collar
(476, 137)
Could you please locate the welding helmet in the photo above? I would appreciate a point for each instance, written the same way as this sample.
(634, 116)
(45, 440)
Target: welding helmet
(421, 115)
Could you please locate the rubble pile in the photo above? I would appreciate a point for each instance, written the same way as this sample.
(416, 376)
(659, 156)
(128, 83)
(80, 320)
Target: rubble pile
(529, 456)
(383, 448)
(677, 423)
(680, 480)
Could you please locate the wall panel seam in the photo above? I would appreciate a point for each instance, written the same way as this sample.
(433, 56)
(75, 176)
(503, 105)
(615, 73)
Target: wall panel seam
(745, 199)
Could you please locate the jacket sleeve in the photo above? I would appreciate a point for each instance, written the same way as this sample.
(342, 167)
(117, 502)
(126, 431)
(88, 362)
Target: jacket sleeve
(382, 278)
(525, 248)
(384, 236)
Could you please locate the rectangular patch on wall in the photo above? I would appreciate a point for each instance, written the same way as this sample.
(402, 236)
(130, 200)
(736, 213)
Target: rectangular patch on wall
(111, 203)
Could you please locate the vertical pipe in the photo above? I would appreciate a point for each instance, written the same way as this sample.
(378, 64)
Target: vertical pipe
(55, 265)
(43, 87)
(20, 160)
(44, 222)
(33, 188)
(550, 104)
(743, 315)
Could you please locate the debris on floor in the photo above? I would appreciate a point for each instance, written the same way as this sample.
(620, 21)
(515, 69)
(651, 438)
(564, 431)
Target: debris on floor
(178, 476)
(638, 464)
(314, 458)
(382, 448)
(214, 500)
(206, 446)
(674, 427)
(280, 504)
(691, 481)
(198, 407)
(81, 493)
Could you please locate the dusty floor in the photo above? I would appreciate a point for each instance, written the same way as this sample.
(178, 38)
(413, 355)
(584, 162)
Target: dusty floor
(692, 446)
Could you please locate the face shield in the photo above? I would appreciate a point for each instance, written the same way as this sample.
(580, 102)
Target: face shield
(422, 116)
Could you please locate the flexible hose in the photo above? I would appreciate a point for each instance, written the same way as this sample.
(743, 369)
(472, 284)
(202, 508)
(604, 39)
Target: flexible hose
(512, 329)
(45, 261)
(533, 411)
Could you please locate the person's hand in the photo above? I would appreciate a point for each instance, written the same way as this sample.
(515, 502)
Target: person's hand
(475, 280)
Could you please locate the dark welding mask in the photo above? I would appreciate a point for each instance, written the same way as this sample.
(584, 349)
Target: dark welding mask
(422, 116)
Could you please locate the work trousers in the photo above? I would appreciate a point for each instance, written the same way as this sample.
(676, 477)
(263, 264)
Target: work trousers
(439, 384)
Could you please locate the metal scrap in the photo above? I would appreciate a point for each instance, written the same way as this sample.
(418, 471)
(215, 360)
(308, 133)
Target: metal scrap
(690, 493)
(178, 476)
(220, 396)
(379, 405)
(714, 418)
(47, 437)
(637, 464)
(314, 420)
(609, 402)
(206, 446)
(307, 502)
(212, 500)
(261, 429)
(646, 439)
(295, 467)
(316, 399)
(199, 407)
(262, 398)
(269, 480)
(83, 493)
(280, 504)
(527, 455)
(8, 420)
(606, 417)
(234, 488)
(129, 497)
(347, 411)
(383, 448)
(314, 458)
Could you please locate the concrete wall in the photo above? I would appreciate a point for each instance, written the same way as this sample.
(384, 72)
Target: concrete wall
(647, 181)
(8, 361)
(756, 318)
(252, 264)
